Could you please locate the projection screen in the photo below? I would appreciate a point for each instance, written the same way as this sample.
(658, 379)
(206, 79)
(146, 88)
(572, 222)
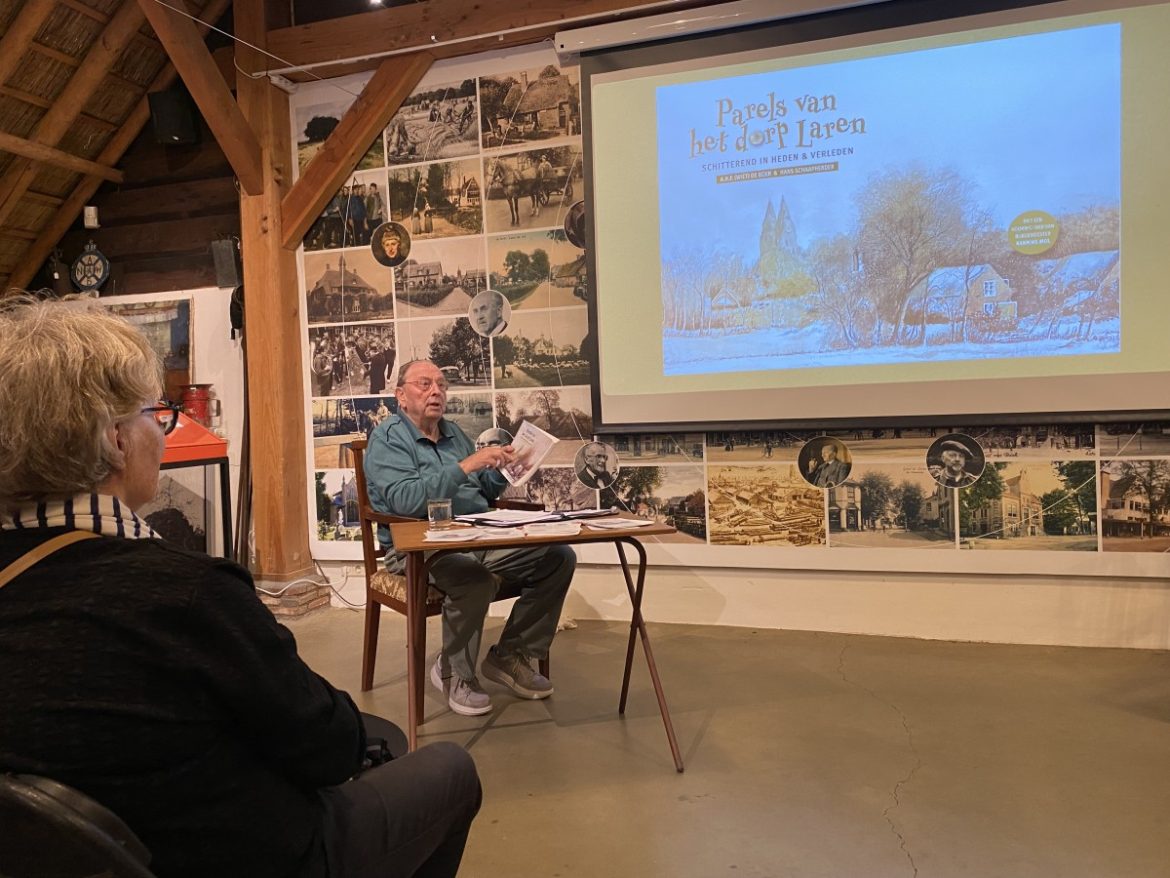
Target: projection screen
(867, 216)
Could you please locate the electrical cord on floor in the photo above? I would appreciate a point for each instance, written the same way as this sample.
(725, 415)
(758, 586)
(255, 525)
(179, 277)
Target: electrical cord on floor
(335, 589)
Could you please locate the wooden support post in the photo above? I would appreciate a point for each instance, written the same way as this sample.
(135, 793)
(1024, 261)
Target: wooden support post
(272, 328)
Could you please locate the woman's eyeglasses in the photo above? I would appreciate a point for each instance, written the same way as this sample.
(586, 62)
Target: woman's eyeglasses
(166, 414)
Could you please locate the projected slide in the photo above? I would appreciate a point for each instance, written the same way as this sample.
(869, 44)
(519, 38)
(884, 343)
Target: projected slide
(950, 204)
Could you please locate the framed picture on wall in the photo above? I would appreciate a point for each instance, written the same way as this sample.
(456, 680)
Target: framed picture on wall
(165, 320)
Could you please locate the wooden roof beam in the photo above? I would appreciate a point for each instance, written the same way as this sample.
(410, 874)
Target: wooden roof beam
(38, 152)
(461, 28)
(192, 59)
(390, 85)
(56, 228)
(77, 92)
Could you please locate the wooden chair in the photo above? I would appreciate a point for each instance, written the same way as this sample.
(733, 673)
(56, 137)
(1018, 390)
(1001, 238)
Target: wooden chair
(385, 589)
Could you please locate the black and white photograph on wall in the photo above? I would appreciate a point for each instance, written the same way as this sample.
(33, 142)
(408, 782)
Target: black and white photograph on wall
(824, 461)
(891, 506)
(347, 286)
(350, 217)
(554, 487)
(471, 411)
(390, 244)
(440, 277)
(335, 425)
(542, 349)
(361, 358)
(462, 355)
(865, 443)
(493, 437)
(597, 465)
(532, 189)
(435, 122)
(1134, 439)
(564, 412)
(1033, 505)
(537, 269)
(1035, 441)
(657, 447)
(763, 505)
(315, 122)
(672, 495)
(955, 460)
(489, 313)
(438, 200)
(335, 494)
(530, 105)
(575, 221)
(178, 510)
(1135, 505)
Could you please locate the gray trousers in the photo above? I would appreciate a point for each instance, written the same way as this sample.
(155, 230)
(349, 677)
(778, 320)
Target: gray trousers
(468, 583)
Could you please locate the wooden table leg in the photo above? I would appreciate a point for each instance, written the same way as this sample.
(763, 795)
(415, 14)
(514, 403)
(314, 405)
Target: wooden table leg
(639, 626)
(414, 606)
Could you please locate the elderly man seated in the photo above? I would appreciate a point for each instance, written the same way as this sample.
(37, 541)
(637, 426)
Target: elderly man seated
(418, 455)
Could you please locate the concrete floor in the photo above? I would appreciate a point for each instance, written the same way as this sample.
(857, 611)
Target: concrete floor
(806, 755)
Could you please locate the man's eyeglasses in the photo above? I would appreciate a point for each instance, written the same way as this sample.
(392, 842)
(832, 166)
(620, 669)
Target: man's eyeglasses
(166, 415)
(425, 384)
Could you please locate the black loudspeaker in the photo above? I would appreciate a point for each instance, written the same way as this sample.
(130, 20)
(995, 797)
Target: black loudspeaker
(227, 266)
(172, 113)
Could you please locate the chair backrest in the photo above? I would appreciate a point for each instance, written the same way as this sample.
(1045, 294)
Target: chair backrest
(51, 830)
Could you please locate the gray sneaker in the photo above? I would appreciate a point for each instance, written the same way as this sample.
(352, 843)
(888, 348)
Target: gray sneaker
(465, 697)
(514, 672)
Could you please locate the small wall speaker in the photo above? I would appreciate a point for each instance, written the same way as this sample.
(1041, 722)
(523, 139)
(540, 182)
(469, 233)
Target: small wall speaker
(172, 114)
(227, 266)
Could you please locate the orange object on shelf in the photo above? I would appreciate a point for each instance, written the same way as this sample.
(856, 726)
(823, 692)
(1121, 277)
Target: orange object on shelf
(191, 442)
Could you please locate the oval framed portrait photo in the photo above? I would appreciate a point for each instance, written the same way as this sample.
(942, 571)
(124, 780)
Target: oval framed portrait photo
(390, 244)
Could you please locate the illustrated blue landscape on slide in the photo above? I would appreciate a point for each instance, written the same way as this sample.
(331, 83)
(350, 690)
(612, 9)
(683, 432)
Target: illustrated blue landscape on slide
(953, 203)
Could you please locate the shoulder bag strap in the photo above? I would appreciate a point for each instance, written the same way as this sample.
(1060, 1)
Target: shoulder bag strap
(44, 550)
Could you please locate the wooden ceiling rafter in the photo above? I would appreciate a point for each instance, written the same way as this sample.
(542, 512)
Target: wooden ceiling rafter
(38, 152)
(20, 34)
(71, 207)
(383, 94)
(44, 104)
(193, 60)
(69, 104)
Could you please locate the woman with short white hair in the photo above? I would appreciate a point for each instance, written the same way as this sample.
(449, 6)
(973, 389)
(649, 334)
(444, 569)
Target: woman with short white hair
(152, 678)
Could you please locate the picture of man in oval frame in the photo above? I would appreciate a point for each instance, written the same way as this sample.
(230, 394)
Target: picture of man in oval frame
(955, 460)
(825, 462)
(596, 465)
(390, 244)
(489, 313)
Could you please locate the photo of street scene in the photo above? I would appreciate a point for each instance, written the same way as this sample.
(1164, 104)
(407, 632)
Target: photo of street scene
(530, 105)
(537, 269)
(876, 443)
(1135, 505)
(1036, 505)
(1042, 441)
(451, 344)
(542, 349)
(347, 286)
(671, 495)
(533, 189)
(336, 502)
(440, 277)
(471, 411)
(768, 505)
(439, 200)
(436, 122)
(656, 447)
(554, 487)
(563, 412)
(891, 506)
(1133, 439)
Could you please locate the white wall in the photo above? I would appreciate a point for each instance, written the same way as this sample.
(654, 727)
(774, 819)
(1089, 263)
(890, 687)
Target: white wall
(1065, 611)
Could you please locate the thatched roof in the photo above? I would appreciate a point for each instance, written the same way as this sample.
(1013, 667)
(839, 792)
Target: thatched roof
(74, 75)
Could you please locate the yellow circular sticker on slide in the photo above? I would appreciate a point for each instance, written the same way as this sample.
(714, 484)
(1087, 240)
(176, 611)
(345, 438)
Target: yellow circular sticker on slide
(1033, 232)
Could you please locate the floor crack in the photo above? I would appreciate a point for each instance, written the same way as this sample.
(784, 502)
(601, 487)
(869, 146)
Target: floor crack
(896, 792)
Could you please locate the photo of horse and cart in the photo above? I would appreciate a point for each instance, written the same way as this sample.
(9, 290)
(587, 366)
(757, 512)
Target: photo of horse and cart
(531, 189)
